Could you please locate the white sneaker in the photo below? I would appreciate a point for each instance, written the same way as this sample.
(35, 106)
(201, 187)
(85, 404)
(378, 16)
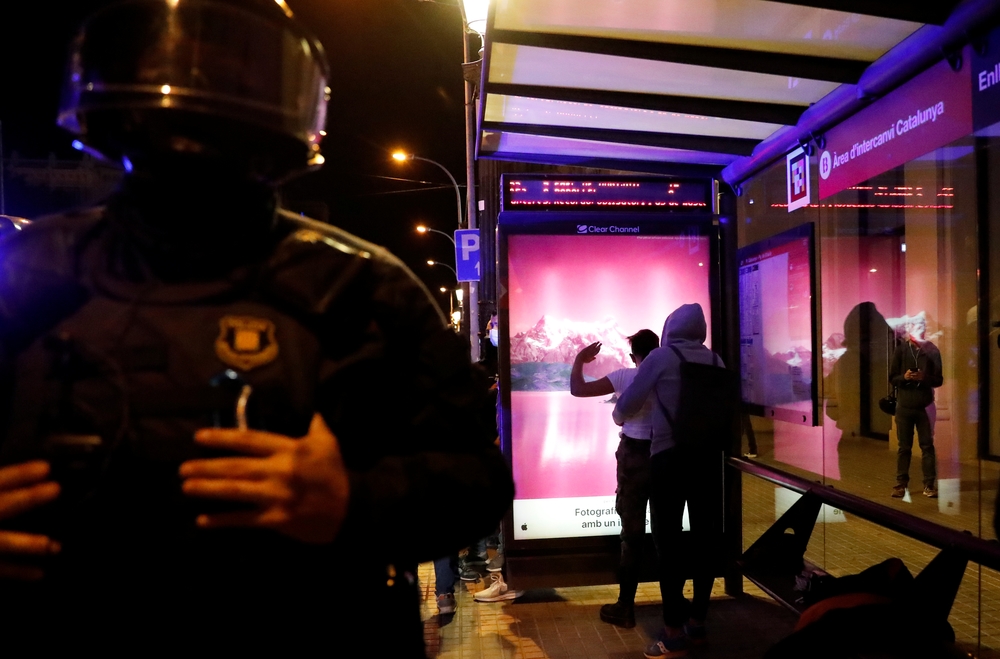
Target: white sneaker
(497, 591)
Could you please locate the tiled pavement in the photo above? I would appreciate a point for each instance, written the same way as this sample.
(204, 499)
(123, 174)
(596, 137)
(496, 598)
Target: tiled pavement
(563, 623)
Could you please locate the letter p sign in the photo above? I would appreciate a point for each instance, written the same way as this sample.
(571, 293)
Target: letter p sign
(469, 243)
(467, 254)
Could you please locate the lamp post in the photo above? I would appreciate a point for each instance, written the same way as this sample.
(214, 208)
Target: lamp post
(475, 15)
(424, 229)
(402, 156)
(456, 321)
(461, 307)
(451, 300)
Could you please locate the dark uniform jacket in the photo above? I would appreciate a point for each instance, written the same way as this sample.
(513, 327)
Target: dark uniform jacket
(314, 319)
(925, 357)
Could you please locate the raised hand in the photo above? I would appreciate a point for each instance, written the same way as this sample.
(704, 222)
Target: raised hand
(589, 353)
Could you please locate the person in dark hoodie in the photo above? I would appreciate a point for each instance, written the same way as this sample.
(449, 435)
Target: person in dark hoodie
(915, 371)
(680, 474)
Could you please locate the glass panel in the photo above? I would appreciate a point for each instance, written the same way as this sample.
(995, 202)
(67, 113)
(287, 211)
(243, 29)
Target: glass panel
(990, 159)
(748, 24)
(897, 261)
(546, 112)
(900, 288)
(898, 266)
(792, 447)
(529, 65)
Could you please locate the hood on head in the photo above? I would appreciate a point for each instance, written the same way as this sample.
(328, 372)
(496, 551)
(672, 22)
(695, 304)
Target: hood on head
(686, 322)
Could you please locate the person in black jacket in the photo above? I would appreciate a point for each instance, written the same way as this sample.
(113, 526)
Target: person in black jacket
(222, 423)
(915, 371)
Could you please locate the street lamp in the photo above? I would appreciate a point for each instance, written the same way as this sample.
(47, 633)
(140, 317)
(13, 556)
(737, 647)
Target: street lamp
(474, 12)
(444, 265)
(422, 229)
(402, 156)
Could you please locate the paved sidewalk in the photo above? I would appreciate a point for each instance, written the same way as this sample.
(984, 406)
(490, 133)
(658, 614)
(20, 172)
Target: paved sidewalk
(563, 623)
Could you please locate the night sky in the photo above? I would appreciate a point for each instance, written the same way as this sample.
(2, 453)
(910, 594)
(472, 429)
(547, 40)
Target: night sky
(397, 83)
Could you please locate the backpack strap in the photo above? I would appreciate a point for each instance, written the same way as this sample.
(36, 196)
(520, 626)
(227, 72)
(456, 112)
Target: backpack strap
(663, 408)
(680, 356)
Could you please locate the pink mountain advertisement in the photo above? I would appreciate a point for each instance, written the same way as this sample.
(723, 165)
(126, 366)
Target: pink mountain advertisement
(564, 293)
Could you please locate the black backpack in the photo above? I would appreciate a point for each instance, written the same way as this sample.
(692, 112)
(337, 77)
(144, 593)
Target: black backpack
(708, 408)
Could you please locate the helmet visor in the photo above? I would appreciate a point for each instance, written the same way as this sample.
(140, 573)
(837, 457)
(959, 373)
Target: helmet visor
(200, 57)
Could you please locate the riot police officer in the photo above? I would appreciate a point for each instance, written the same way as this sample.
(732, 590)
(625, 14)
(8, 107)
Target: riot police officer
(221, 420)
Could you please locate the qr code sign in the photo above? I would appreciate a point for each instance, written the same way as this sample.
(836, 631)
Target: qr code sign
(798, 180)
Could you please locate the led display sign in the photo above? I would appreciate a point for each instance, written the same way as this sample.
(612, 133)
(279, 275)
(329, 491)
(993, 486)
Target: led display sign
(546, 192)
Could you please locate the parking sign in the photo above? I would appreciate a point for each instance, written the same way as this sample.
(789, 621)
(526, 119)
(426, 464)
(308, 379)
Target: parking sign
(467, 254)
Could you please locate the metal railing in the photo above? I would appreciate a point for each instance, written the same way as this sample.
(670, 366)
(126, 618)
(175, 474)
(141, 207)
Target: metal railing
(978, 550)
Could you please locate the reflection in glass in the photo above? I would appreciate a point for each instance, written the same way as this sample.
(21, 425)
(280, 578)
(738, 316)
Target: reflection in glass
(898, 249)
(853, 362)
(915, 373)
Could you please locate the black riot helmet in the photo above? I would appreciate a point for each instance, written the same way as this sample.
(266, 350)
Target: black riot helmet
(238, 82)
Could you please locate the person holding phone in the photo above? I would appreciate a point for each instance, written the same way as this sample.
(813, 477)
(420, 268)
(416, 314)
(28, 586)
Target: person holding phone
(915, 371)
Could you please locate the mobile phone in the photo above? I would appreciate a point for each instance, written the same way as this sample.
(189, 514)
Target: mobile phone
(231, 395)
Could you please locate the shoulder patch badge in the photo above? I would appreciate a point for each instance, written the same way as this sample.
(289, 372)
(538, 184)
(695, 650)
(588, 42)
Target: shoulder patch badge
(246, 342)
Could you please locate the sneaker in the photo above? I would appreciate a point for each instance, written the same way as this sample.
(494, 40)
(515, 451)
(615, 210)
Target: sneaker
(695, 631)
(469, 574)
(898, 491)
(497, 591)
(930, 492)
(667, 647)
(446, 603)
(473, 559)
(495, 564)
(621, 615)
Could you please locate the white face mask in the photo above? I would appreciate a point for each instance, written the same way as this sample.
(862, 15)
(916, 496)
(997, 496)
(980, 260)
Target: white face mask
(495, 336)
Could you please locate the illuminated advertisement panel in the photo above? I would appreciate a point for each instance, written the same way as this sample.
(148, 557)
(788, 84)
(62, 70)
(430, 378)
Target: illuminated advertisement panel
(569, 284)
(777, 327)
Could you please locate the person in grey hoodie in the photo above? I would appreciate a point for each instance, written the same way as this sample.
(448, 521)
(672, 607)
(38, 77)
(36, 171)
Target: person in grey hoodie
(680, 474)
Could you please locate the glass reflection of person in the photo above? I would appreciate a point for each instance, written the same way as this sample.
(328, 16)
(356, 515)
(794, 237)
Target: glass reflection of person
(849, 403)
(633, 468)
(915, 372)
